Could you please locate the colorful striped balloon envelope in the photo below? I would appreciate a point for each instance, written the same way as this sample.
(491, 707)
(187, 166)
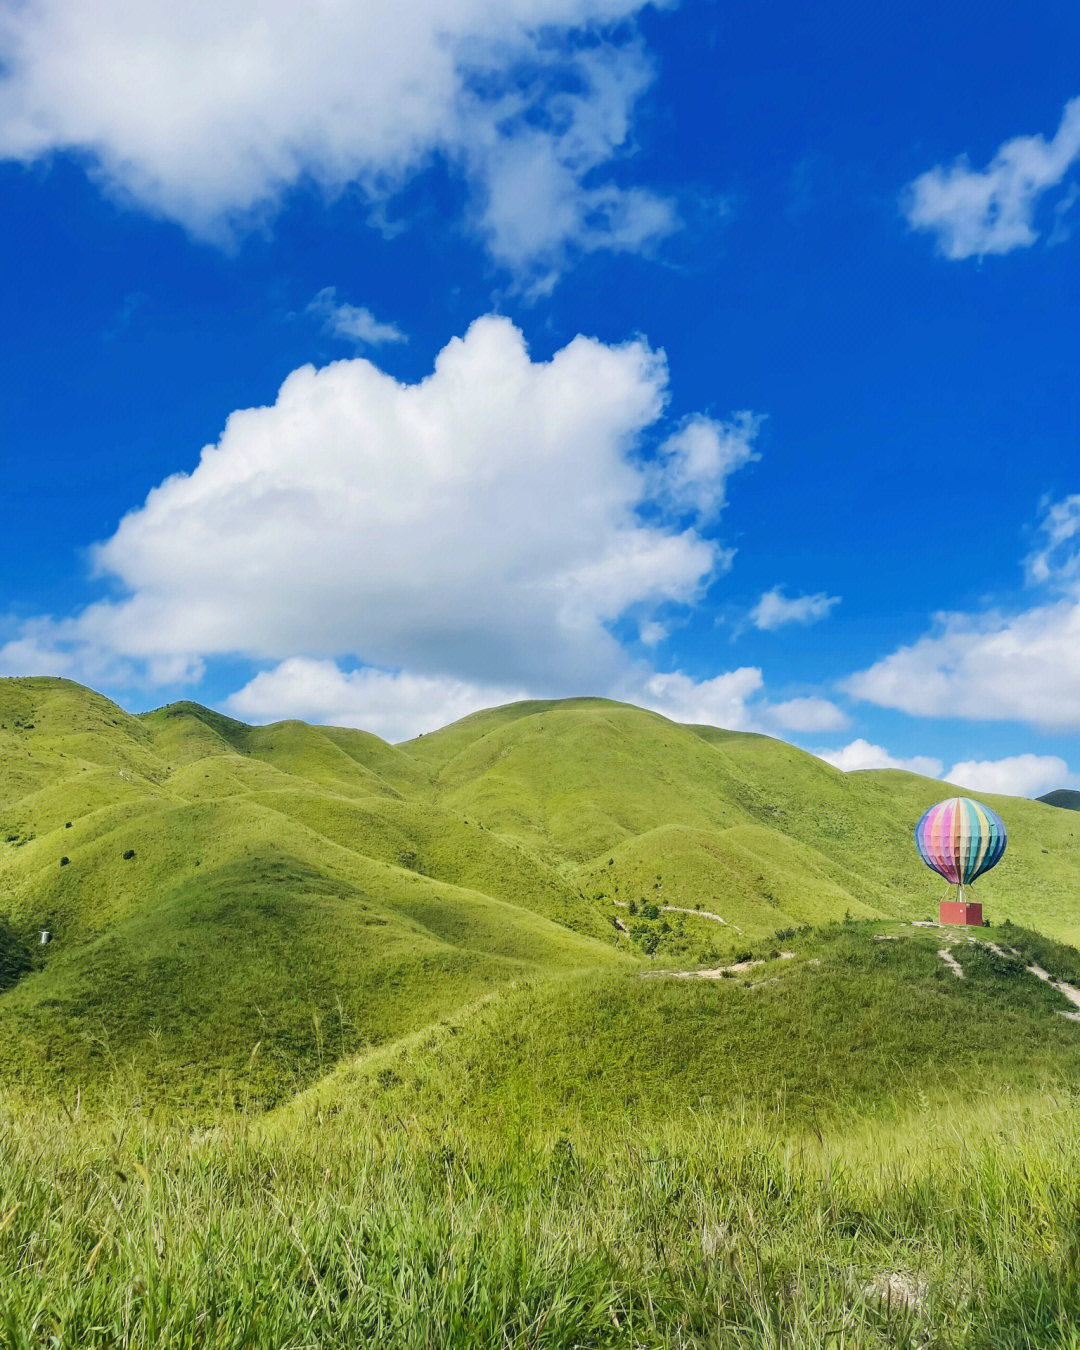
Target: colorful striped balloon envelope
(961, 839)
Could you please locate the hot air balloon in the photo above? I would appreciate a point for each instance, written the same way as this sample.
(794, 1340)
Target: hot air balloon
(960, 839)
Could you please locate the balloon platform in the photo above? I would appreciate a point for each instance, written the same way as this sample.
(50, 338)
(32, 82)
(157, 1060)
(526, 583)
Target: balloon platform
(961, 912)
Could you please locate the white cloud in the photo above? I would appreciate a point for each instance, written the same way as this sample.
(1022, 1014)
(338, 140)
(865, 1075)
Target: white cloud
(209, 112)
(354, 323)
(1015, 776)
(807, 714)
(718, 702)
(995, 666)
(974, 212)
(697, 460)
(1056, 559)
(484, 525)
(400, 704)
(733, 700)
(775, 609)
(860, 754)
(652, 633)
(394, 705)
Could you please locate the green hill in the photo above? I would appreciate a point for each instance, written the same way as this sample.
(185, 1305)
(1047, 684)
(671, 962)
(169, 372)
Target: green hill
(854, 1020)
(213, 887)
(1068, 798)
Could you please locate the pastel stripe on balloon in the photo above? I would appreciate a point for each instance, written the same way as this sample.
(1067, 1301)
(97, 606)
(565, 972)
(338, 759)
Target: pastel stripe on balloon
(960, 839)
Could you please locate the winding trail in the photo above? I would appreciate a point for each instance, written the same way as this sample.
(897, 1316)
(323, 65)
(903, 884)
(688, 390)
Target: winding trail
(684, 909)
(951, 961)
(1066, 990)
(716, 974)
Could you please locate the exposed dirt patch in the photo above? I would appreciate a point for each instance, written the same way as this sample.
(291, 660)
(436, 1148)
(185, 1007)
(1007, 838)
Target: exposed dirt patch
(716, 974)
(951, 961)
(898, 1289)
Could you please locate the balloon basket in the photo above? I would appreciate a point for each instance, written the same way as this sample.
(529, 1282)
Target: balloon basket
(964, 912)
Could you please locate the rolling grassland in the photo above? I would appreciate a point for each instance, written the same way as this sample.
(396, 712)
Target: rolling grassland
(562, 1026)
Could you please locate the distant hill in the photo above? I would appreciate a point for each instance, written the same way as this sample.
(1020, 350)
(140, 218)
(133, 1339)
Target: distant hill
(1068, 798)
(235, 909)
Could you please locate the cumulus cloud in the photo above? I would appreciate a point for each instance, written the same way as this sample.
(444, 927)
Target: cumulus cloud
(486, 525)
(696, 462)
(395, 705)
(860, 754)
(214, 109)
(1055, 560)
(734, 700)
(719, 702)
(996, 667)
(806, 714)
(1015, 776)
(1021, 666)
(400, 704)
(975, 212)
(353, 323)
(775, 609)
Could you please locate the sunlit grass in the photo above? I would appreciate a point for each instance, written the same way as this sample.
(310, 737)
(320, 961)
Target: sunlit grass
(956, 1225)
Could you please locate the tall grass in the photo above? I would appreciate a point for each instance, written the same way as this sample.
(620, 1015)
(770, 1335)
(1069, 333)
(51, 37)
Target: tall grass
(955, 1226)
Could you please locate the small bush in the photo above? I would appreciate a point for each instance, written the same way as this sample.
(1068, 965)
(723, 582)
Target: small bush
(129, 854)
(64, 861)
(67, 824)
(743, 955)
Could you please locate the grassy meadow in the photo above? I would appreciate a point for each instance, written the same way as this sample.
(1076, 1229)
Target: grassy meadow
(344, 1043)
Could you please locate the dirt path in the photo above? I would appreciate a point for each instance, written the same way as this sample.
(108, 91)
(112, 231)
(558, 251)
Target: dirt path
(683, 909)
(700, 913)
(717, 974)
(1068, 991)
(951, 962)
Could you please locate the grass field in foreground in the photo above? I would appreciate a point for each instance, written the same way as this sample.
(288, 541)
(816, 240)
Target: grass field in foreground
(847, 1146)
(954, 1225)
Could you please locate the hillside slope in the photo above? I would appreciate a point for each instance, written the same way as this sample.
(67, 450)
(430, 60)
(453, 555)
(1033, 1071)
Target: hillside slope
(576, 781)
(213, 887)
(854, 1020)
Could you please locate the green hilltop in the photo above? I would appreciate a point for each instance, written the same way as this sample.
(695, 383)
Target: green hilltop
(230, 902)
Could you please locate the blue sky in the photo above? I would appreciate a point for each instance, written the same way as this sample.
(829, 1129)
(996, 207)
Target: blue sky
(720, 359)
